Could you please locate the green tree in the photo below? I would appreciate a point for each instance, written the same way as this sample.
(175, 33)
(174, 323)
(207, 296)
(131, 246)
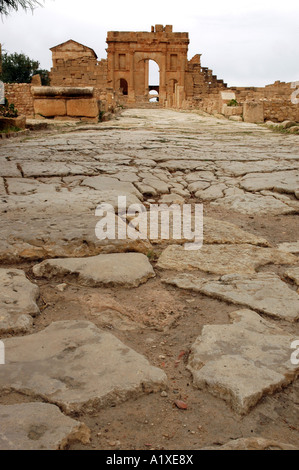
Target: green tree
(19, 68)
(6, 6)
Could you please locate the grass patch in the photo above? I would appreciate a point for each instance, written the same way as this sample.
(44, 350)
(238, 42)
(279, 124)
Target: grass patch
(8, 130)
(281, 130)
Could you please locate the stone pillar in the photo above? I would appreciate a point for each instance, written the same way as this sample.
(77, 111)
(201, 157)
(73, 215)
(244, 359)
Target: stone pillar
(253, 111)
(111, 66)
(146, 71)
(131, 92)
(162, 89)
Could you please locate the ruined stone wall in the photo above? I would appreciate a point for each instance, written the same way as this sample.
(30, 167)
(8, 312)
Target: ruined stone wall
(83, 71)
(202, 87)
(276, 99)
(75, 65)
(20, 95)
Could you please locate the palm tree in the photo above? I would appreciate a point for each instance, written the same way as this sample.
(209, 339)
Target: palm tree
(6, 6)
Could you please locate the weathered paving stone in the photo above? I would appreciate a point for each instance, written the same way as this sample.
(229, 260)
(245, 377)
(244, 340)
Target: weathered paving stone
(17, 301)
(122, 269)
(222, 259)
(292, 247)
(39, 426)
(222, 232)
(58, 235)
(243, 361)
(264, 292)
(214, 231)
(2, 188)
(280, 181)
(112, 188)
(252, 443)
(254, 203)
(78, 367)
(293, 273)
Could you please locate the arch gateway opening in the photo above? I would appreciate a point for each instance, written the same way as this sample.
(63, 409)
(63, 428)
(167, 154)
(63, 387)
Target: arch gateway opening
(153, 81)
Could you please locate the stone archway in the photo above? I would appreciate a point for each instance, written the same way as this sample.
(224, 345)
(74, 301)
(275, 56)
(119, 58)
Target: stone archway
(128, 54)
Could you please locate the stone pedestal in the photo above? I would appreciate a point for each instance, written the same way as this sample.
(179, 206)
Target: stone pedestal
(253, 111)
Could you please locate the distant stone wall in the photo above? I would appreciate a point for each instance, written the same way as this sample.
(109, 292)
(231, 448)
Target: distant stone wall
(83, 71)
(20, 95)
(281, 110)
(276, 98)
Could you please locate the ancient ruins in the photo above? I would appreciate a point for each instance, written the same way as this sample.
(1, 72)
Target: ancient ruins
(123, 79)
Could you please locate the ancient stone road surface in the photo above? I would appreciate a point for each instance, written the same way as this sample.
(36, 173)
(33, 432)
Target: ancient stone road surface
(116, 333)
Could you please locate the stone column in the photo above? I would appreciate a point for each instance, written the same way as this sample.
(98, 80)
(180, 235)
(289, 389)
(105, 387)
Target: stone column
(131, 91)
(146, 72)
(162, 89)
(111, 66)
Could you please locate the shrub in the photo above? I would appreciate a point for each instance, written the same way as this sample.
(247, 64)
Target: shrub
(8, 110)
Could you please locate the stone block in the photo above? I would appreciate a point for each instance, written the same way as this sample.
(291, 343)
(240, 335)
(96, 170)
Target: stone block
(228, 95)
(253, 112)
(50, 107)
(232, 110)
(83, 107)
(6, 122)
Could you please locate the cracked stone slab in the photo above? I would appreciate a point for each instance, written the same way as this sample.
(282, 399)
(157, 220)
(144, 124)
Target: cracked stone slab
(9, 169)
(121, 269)
(292, 247)
(280, 181)
(78, 367)
(264, 292)
(243, 168)
(17, 301)
(243, 361)
(214, 231)
(2, 188)
(252, 443)
(254, 203)
(112, 188)
(39, 426)
(58, 235)
(222, 259)
(213, 192)
(222, 232)
(293, 273)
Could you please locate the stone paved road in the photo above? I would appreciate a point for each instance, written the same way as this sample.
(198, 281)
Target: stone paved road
(247, 179)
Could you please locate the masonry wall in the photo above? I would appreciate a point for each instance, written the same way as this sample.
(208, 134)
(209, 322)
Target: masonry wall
(80, 72)
(20, 95)
(276, 99)
(202, 87)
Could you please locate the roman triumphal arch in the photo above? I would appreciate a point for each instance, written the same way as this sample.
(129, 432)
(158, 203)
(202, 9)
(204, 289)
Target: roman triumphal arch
(128, 57)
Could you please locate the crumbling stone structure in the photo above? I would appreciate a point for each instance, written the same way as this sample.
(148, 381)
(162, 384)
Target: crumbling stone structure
(128, 62)
(125, 73)
(123, 79)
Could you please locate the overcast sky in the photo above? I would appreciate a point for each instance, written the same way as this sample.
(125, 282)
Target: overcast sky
(244, 42)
